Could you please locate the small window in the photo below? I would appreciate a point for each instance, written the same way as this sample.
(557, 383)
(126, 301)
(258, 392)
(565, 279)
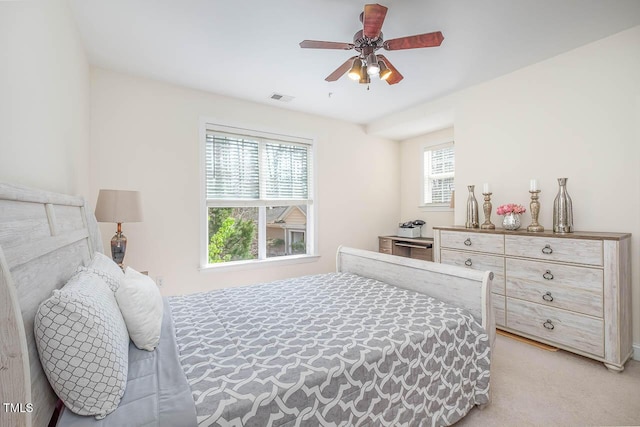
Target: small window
(258, 195)
(439, 171)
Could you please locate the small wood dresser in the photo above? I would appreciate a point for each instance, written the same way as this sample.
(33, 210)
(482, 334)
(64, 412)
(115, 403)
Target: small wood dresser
(411, 247)
(571, 290)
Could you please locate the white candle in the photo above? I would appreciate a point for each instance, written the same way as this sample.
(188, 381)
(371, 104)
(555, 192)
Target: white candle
(533, 185)
(485, 188)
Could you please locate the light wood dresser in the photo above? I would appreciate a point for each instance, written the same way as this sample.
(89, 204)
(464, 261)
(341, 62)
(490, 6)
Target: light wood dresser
(571, 290)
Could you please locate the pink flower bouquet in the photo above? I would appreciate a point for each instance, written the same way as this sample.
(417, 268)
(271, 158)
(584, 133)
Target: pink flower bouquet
(510, 208)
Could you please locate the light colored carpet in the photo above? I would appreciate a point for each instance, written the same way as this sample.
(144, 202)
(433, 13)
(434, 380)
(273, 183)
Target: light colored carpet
(535, 387)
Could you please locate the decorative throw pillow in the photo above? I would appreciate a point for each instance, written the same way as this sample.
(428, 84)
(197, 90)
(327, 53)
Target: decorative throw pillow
(83, 345)
(141, 306)
(107, 269)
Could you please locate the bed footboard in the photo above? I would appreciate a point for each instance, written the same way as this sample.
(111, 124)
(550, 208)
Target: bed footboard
(462, 287)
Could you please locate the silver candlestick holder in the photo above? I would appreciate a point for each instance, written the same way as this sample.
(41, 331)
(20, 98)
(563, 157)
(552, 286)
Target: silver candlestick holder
(486, 207)
(535, 211)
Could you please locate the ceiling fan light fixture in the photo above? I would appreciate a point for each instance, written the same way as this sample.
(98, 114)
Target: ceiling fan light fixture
(372, 64)
(366, 41)
(385, 72)
(356, 69)
(364, 76)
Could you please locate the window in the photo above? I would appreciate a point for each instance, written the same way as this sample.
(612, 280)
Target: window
(438, 180)
(258, 195)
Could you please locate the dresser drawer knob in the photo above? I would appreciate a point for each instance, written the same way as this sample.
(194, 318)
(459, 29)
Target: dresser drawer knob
(548, 324)
(468, 262)
(467, 242)
(547, 275)
(547, 297)
(547, 250)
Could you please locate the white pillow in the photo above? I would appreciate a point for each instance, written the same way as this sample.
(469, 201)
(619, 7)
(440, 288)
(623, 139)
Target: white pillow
(83, 345)
(141, 306)
(107, 269)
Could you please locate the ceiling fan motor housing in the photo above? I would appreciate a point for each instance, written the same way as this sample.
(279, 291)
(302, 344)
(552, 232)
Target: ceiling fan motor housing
(363, 43)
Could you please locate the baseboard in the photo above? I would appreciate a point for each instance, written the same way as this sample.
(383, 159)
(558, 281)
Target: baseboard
(526, 340)
(636, 352)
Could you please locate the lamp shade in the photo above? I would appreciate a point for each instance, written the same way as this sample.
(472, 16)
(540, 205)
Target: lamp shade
(118, 206)
(385, 72)
(356, 68)
(372, 64)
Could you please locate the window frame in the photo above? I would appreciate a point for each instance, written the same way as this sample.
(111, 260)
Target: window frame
(208, 125)
(442, 207)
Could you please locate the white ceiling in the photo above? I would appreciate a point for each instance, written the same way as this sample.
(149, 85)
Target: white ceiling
(249, 49)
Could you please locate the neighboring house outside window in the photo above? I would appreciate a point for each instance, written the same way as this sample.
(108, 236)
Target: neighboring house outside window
(286, 229)
(439, 175)
(258, 195)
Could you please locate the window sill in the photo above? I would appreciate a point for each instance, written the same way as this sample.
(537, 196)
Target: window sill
(255, 264)
(428, 208)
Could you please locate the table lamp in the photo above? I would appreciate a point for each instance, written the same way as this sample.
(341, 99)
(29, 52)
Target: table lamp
(118, 206)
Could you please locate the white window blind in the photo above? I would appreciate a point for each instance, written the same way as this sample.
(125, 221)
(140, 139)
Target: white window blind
(247, 168)
(439, 169)
(286, 171)
(232, 168)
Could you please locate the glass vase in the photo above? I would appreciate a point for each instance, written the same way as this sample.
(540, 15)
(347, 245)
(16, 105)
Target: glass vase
(562, 209)
(472, 209)
(511, 221)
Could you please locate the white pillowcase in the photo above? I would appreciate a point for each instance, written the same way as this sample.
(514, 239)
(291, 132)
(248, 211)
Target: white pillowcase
(141, 306)
(107, 269)
(83, 345)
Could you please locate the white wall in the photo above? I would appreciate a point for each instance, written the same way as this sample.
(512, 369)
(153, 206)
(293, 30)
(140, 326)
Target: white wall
(44, 97)
(145, 136)
(411, 158)
(575, 115)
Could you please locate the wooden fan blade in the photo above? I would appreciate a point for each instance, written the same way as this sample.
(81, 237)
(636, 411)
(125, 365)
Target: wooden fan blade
(339, 72)
(317, 44)
(413, 42)
(373, 19)
(395, 74)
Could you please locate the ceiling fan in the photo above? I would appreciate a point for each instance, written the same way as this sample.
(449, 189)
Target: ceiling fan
(366, 42)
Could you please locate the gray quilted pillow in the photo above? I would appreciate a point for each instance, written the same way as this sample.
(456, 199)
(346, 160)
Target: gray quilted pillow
(107, 269)
(83, 345)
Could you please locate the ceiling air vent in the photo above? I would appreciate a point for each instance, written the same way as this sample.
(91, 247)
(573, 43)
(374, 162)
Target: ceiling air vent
(280, 97)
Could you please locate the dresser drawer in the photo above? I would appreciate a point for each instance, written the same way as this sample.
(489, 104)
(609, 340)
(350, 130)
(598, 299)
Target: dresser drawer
(571, 288)
(490, 243)
(385, 243)
(477, 262)
(498, 302)
(425, 254)
(562, 327)
(579, 251)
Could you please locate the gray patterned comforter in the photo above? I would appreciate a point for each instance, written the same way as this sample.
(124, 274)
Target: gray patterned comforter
(331, 349)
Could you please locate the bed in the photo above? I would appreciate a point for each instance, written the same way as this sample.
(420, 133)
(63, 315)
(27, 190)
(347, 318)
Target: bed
(332, 349)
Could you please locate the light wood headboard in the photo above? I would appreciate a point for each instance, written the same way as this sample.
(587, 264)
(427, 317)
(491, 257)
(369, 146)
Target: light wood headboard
(44, 237)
